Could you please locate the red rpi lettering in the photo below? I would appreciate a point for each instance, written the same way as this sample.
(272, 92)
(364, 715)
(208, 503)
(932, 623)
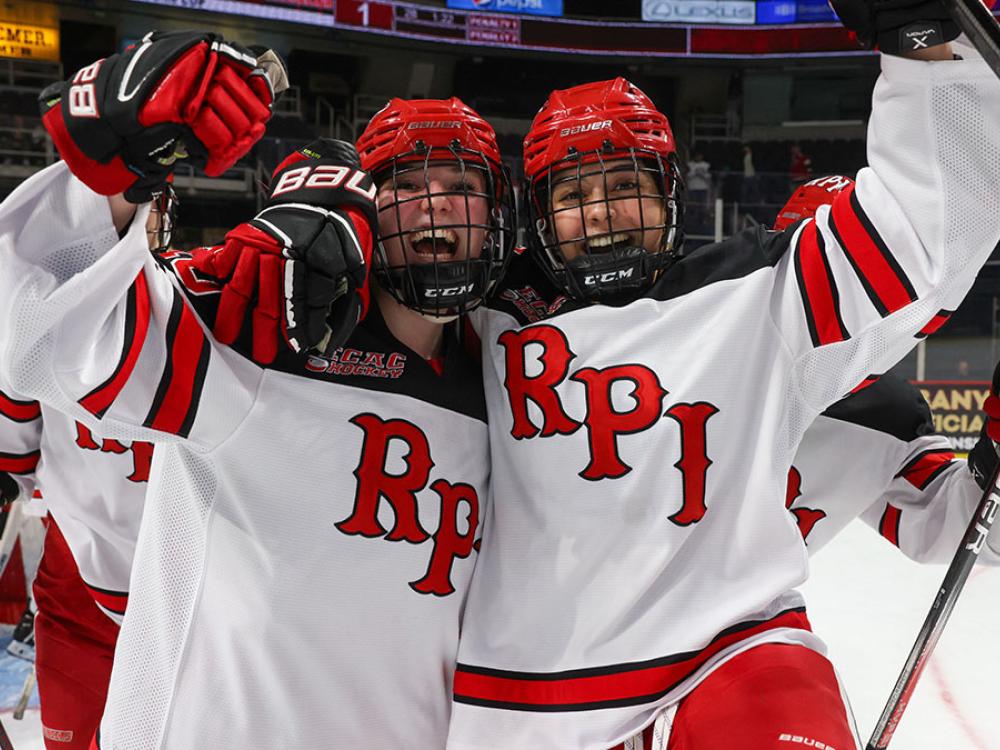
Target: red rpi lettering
(142, 453)
(459, 503)
(604, 422)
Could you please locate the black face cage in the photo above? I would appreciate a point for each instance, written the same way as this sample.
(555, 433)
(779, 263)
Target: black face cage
(163, 212)
(446, 288)
(618, 272)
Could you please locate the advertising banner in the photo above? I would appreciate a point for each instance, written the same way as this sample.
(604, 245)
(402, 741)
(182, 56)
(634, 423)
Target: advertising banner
(699, 11)
(28, 42)
(530, 7)
(957, 407)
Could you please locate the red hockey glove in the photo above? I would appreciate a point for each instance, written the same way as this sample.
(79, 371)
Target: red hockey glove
(121, 123)
(983, 457)
(897, 26)
(302, 262)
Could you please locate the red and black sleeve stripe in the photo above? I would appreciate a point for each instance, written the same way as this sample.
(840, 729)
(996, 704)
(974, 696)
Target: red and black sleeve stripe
(178, 394)
(888, 526)
(602, 687)
(818, 289)
(883, 279)
(99, 400)
(19, 463)
(925, 467)
(113, 601)
(935, 324)
(870, 380)
(19, 411)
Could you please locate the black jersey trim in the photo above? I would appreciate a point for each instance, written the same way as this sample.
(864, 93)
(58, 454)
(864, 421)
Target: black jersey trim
(891, 405)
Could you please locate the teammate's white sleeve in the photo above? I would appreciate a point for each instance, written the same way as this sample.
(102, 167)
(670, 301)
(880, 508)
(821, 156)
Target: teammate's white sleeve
(875, 268)
(20, 439)
(927, 521)
(95, 328)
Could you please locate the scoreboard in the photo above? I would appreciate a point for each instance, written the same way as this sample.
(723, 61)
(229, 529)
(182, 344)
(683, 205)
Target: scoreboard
(625, 38)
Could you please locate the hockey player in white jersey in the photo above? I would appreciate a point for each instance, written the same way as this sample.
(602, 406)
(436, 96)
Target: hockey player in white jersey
(252, 623)
(94, 490)
(904, 479)
(640, 556)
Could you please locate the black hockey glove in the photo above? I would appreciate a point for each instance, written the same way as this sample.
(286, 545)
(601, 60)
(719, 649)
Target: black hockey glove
(983, 457)
(121, 122)
(303, 262)
(9, 489)
(896, 26)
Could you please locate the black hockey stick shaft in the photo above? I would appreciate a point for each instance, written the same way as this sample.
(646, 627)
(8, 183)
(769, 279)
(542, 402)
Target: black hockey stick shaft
(930, 632)
(979, 24)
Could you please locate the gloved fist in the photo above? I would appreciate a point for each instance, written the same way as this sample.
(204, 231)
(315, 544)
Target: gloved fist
(983, 457)
(897, 26)
(121, 122)
(302, 262)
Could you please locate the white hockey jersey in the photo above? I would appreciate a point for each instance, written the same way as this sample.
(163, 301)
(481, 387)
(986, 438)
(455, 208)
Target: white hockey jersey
(639, 535)
(875, 455)
(94, 488)
(310, 529)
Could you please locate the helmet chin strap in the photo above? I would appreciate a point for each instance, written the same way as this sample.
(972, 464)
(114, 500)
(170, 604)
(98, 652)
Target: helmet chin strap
(618, 276)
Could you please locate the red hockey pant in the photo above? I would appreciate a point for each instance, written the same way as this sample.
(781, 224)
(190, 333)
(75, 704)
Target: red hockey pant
(772, 697)
(74, 649)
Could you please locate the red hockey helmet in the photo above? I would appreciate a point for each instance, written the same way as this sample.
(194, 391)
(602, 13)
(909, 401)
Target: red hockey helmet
(401, 143)
(600, 128)
(809, 197)
(586, 118)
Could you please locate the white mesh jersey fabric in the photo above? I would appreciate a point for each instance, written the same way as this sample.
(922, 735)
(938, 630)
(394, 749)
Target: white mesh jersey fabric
(603, 591)
(268, 605)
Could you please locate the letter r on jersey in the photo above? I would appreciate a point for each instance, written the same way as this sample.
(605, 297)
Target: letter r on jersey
(540, 389)
(375, 482)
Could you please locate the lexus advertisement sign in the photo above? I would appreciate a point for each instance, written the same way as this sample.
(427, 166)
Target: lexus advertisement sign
(699, 11)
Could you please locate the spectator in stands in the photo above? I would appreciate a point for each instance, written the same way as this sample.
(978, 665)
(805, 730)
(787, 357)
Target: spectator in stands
(800, 169)
(699, 184)
(749, 189)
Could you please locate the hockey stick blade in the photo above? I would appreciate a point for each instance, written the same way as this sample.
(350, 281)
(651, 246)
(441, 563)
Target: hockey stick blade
(930, 632)
(981, 26)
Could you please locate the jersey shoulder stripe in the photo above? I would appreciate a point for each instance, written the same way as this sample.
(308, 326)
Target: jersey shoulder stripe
(818, 289)
(178, 393)
(883, 279)
(137, 311)
(19, 411)
(890, 404)
(610, 686)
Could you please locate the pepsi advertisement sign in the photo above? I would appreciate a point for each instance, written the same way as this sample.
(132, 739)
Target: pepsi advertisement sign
(529, 7)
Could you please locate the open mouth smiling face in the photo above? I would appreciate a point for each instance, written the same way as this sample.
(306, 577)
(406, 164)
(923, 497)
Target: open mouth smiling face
(431, 213)
(599, 208)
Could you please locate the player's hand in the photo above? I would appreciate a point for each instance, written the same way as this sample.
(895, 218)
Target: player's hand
(121, 122)
(302, 263)
(983, 457)
(897, 26)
